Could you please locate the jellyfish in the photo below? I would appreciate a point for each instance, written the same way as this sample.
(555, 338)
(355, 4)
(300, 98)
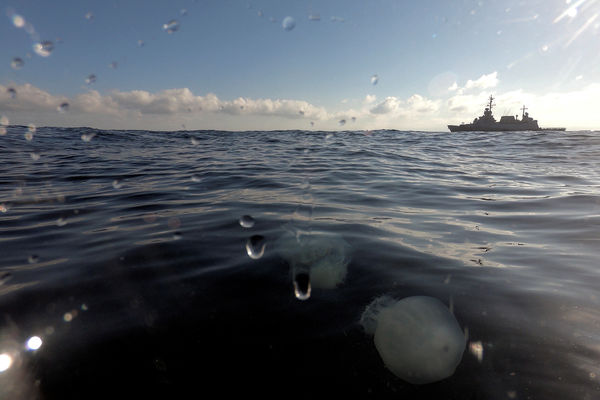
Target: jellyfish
(417, 338)
(324, 258)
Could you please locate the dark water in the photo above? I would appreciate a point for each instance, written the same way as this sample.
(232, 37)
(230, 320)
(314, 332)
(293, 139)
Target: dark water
(125, 256)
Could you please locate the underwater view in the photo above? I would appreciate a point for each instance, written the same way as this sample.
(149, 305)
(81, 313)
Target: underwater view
(305, 200)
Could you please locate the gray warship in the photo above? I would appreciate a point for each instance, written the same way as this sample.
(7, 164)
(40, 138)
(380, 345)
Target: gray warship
(487, 122)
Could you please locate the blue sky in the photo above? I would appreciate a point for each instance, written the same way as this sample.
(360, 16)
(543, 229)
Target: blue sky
(231, 65)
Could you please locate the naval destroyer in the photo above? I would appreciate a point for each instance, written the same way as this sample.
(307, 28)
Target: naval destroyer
(487, 122)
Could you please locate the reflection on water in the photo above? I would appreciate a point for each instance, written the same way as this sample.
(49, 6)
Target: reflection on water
(111, 250)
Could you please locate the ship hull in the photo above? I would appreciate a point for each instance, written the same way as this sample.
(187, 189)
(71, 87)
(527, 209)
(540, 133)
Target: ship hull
(497, 128)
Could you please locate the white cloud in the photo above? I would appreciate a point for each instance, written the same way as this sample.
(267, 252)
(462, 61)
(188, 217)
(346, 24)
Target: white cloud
(483, 82)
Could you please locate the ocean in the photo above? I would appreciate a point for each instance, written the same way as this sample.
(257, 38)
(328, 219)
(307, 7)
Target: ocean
(139, 264)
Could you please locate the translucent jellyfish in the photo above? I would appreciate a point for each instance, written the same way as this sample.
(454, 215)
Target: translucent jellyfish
(324, 258)
(418, 339)
(17, 63)
(288, 23)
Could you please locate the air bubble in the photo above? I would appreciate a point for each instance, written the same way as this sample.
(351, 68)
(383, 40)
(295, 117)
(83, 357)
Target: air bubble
(63, 108)
(17, 63)
(195, 178)
(61, 222)
(12, 92)
(44, 48)
(171, 26)
(90, 79)
(374, 79)
(255, 246)
(302, 286)
(32, 259)
(247, 221)
(117, 184)
(288, 23)
(35, 156)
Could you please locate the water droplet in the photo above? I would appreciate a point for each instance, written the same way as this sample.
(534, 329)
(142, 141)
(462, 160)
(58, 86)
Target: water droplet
(35, 156)
(12, 92)
(61, 222)
(3, 208)
(141, 43)
(32, 259)
(176, 235)
(113, 65)
(90, 79)
(255, 246)
(89, 16)
(29, 136)
(171, 26)
(63, 108)
(44, 48)
(194, 141)
(247, 221)
(288, 23)
(302, 287)
(314, 17)
(196, 178)
(17, 63)
(4, 120)
(2, 130)
(183, 12)
(31, 128)
(68, 317)
(116, 184)
(342, 122)
(87, 137)
(5, 277)
(18, 21)
(374, 79)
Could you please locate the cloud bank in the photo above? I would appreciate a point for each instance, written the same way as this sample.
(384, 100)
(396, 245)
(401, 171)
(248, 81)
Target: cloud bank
(180, 108)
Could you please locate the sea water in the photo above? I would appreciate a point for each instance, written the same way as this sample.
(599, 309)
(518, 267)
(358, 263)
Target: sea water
(146, 264)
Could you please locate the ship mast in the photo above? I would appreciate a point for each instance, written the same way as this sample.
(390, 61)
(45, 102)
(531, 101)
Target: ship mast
(524, 108)
(490, 105)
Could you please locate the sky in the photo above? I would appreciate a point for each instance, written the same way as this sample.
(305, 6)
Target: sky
(297, 64)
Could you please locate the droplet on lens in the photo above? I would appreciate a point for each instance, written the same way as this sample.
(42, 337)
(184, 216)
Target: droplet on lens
(288, 23)
(194, 141)
(61, 222)
(255, 246)
(247, 221)
(63, 108)
(31, 128)
(35, 156)
(18, 21)
(302, 287)
(171, 26)
(28, 136)
(117, 184)
(12, 92)
(90, 79)
(87, 137)
(32, 259)
(17, 63)
(44, 48)
(374, 79)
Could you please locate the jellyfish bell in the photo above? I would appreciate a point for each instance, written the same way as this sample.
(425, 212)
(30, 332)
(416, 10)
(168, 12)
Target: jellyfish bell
(324, 257)
(417, 338)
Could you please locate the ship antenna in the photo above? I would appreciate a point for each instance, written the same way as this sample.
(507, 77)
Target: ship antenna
(491, 99)
(524, 108)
